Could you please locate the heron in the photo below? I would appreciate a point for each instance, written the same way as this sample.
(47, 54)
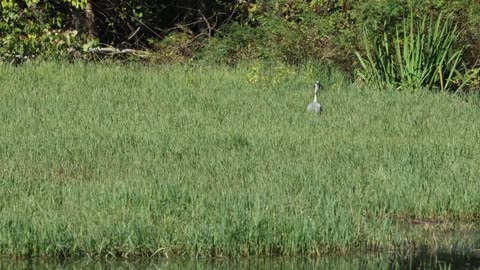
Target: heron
(315, 106)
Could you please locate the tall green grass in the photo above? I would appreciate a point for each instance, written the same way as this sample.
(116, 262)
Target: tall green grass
(421, 55)
(195, 161)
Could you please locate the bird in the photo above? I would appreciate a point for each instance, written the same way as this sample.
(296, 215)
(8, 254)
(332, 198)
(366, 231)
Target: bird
(315, 107)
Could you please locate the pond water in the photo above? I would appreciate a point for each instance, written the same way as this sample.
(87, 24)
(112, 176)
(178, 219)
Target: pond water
(457, 247)
(377, 261)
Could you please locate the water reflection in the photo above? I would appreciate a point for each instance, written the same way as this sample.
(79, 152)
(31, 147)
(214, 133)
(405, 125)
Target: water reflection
(422, 261)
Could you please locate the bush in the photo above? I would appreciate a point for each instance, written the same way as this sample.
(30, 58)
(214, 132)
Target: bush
(31, 32)
(177, 47)
(233, 43)
(288, 31)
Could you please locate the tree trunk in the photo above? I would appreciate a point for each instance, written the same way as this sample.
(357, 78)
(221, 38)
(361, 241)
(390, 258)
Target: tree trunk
(91, 21)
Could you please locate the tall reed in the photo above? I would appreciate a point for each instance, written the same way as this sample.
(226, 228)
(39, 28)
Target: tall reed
(420, 55)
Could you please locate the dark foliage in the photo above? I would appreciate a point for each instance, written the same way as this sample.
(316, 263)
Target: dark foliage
(292, 31)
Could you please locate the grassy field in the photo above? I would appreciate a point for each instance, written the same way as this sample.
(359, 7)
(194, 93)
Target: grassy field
(196, 161)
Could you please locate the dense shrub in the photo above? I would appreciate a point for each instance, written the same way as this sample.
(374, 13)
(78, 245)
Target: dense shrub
(35, 31)
(292, 31)
(330, 31)
(136, 24)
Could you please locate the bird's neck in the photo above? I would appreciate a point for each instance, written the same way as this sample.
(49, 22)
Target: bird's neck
(315, 97)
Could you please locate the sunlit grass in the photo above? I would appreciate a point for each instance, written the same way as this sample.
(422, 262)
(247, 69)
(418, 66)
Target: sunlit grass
(99, 160)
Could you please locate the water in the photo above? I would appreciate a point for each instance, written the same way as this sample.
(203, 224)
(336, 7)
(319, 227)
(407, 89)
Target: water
(377, 261)
(452, 247)
(456, 248)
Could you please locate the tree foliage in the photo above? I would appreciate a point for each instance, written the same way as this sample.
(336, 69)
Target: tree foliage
(221, 30)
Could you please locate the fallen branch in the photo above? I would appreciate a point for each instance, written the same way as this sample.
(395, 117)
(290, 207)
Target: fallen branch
(115, 51)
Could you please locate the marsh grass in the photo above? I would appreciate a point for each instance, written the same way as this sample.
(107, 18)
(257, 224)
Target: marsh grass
(195, 161)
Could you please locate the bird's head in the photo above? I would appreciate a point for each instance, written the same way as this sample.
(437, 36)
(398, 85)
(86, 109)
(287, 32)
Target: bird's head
(317, 86)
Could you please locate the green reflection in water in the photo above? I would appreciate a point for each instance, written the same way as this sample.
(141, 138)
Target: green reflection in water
(424, 261)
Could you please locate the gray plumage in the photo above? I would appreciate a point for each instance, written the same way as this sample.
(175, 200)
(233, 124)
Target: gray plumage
(315, 107)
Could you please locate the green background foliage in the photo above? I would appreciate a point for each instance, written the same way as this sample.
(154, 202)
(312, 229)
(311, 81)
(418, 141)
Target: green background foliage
(291, 31)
